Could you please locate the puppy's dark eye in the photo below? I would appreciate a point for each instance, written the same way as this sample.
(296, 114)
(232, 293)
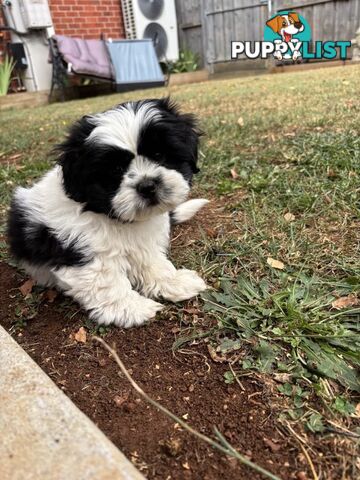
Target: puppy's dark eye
(157, 156)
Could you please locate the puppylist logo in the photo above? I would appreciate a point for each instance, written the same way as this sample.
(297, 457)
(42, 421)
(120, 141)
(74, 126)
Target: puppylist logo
(287, 36)
(288, 32)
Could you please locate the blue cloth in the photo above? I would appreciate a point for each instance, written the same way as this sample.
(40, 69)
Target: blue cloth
(134, 61)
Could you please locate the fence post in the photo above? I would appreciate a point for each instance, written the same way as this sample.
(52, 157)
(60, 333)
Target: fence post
(208, 40)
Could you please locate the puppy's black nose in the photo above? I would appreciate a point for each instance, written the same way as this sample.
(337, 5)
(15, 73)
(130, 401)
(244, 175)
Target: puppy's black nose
(147, 188)
(298, 24)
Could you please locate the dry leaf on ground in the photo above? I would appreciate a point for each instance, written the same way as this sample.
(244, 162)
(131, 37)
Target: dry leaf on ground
(275, 263)
(26, 288)
(81, 335)
(282, 377)
(234, 173)
(240, 121)
(15, 156)
(344, 302)
(289, 217)
(50, 295)
(214, 356)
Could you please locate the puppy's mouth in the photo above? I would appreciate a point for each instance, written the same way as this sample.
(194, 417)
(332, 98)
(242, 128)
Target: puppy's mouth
(287, 37)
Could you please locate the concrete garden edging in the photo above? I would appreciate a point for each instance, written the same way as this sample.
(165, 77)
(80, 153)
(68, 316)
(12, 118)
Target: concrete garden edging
(43, 435)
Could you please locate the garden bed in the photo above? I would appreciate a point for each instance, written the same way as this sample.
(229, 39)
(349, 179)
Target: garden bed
(57, 335)
(187, 382)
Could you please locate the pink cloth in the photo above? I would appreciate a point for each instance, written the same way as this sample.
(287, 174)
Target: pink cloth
(87, 57)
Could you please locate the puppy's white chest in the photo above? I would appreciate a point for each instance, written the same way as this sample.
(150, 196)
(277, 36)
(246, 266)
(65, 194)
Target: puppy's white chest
(132, 239)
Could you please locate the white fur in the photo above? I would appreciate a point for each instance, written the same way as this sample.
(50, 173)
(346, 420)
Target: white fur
(120, 127)
(129, 206)
(129, 267)
(188, 209)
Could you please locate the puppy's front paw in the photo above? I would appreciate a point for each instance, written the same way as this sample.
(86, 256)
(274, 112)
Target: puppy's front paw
(130, 313)
(184, 285)
(141, 311)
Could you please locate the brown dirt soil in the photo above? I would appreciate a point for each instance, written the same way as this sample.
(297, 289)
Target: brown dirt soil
(187, 382)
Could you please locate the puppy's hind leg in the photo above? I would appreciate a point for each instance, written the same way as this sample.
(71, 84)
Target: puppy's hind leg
(106, 293)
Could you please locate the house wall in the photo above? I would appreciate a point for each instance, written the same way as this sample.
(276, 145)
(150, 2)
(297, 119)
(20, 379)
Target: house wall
(87, 18)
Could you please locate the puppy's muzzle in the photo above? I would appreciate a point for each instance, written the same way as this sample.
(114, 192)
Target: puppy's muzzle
(298, 25)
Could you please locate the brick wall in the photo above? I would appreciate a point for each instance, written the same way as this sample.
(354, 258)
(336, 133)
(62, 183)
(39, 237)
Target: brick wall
(87, 18)
(4, 37)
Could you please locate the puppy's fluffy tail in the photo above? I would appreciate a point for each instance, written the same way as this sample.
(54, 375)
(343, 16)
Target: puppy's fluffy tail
(187, 210)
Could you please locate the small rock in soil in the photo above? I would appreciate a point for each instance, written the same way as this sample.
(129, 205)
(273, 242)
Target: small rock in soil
(121, 399)
(129, 407)
(171, 447)
(273, 446)
(301, 476)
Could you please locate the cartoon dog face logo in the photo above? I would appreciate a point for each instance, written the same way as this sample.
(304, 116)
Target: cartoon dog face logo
(286, 26)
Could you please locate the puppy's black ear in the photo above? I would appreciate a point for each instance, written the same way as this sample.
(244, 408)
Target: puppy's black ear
(168, 105)
(193, 136)
(71, 155)
(190, 128)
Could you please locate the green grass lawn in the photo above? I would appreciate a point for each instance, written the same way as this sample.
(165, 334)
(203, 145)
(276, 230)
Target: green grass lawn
(281, 157)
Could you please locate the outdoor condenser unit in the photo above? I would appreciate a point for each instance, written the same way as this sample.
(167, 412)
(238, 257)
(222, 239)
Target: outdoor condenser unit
(154, 19)
(35, 13)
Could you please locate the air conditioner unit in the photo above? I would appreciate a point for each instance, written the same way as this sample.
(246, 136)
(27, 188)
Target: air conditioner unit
(155, 19)
(36, 13)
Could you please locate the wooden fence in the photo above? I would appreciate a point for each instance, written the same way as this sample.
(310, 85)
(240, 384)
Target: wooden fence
(208, 26)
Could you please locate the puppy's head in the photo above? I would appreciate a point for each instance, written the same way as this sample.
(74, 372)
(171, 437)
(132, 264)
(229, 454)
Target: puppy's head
(131, 162)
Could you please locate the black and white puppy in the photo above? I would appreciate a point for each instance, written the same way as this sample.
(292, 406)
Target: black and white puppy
(97, 225)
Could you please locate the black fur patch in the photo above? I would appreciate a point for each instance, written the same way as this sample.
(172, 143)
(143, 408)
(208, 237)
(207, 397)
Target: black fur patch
(172, 219)
(171, 141)
(36, 244)
(92, 173)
